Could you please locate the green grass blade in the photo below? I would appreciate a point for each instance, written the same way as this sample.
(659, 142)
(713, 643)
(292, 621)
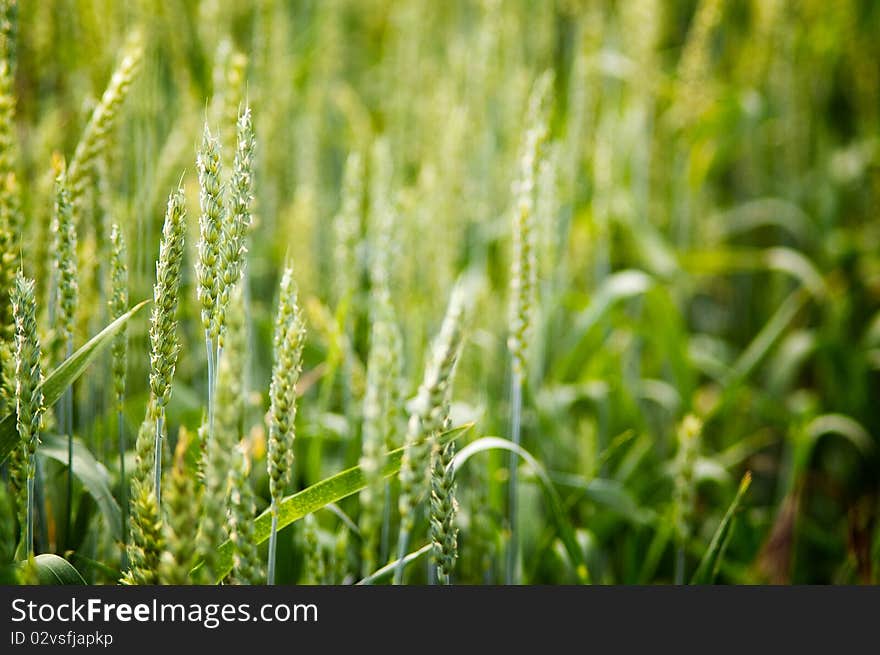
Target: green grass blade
(565, 532)
(711, 559)
(59, 380)
(387, 570)
(319, 495)
(90, 473)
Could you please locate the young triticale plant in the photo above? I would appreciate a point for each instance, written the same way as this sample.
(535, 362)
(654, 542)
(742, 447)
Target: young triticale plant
(429, 415)
(523, 283)
(28, 395)
(288, 344)
(246, 565)
(67, 297)
(118, 305)
(683, 498)
(163, 322)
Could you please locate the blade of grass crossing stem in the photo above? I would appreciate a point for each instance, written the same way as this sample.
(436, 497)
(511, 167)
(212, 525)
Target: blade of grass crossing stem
(55, 384)
(708, 567)
(320, 494)
(389, 568)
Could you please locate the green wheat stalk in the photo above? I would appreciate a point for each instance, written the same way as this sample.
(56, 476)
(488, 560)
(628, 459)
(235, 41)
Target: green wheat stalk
(288, 344)
(118, 305)
(523, 285)
(28, 393)
(66, 275)
(429, 415)
(210, 266)
(164, 346)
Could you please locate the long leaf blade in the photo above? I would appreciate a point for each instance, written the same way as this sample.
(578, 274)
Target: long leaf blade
(65, 375)
(320, 494)
(90, 473)
(711, 558)
(54, 570)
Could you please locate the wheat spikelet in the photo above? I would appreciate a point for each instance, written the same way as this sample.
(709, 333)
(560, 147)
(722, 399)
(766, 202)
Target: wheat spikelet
(209, 269)
(347, 229)
(444, 506)
(66, 274)
(94, 138)
(164, 345)
(147, 541)
(683, 496)
(118, 305)
(524, 268)
(212, 520)
(288, 344)
(316, 559)
(181, 517)
(246, 565)
(28, 393)
(238, 218)
(429, 415)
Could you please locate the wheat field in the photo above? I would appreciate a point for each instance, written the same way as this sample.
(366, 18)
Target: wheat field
(413, 292)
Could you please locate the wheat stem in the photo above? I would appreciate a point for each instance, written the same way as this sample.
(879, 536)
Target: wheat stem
(273, 542)
(513, 466)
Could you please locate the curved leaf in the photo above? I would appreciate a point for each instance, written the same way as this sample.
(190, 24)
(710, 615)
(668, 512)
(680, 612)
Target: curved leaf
(90, 472)
(846, 427)
(780, 259)
(57, 382)
(761, 213)
(54, 570)
(565, 532)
